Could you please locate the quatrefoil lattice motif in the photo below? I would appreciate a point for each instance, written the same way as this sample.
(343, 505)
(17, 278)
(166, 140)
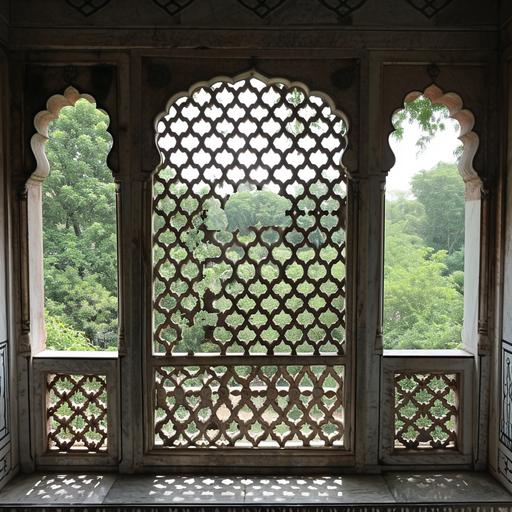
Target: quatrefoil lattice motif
(87, 7)
(77, 413)
(262, 8)
(274, 285)
(429, 8)
(251, 406)
(343, 7)
(426, 410)
(173, 7)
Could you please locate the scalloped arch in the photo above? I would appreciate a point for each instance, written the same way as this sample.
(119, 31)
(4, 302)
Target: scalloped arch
(268, 81)
(470, 140)
(42, 122)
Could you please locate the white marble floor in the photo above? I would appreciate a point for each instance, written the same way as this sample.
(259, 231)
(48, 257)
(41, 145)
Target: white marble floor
(55, 489)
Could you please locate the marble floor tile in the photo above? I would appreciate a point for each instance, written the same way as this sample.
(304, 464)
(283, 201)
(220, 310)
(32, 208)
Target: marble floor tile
(175, 489)
(339, 489)
(55, 488)
(446, 487)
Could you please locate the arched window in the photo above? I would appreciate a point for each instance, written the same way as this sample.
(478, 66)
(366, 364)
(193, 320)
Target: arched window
(431, 280)
(72, 273)
(249, 282)
(432, 248)
(79, 233)
(76, 196)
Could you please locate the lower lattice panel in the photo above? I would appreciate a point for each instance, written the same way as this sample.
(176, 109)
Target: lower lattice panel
(426, 410)
(77, 413)
(249, 406)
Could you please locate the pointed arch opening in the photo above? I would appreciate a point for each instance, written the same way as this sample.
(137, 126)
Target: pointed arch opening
(72, 228)
(249, 269)
(432, 235)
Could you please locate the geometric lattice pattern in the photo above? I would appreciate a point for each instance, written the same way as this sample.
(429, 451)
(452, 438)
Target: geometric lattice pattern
(506, 396)
(77, 413)
(426, 410)
(429, 8)
(87, 7)
(249, 223)
(249, 406)
(343, 7)
(262, 8)
(173, 7)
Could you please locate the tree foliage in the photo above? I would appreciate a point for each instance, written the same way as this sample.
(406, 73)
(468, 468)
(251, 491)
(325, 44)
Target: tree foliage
(79, 226)
(424, 242)
(431, 118)
(422, 305)
(441, 193)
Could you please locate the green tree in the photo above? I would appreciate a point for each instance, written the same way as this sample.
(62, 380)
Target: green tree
(431, 118)
(79, 226)
(441, 192)
(423, 306)
(259, 208)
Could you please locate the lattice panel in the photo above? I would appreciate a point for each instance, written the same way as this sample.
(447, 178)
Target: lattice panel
(249, 223)
(262, 8)
(87, 7)
(173, 7)
(506, 395)
(77, 413)
(249, 406)
(343, 7)
(426, 410)
(429, 8)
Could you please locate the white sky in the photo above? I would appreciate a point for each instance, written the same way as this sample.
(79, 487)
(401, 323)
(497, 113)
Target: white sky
(409, 161)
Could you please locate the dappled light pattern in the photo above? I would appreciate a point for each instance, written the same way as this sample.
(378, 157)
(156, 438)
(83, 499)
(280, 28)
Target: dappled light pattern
(249, 223)
(249, 406)
(426, 410)
(77, 413)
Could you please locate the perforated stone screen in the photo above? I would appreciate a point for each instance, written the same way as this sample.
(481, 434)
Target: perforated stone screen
(426, 410)
(245, 406)
(249, 220)
(77, 413)
(249, 236)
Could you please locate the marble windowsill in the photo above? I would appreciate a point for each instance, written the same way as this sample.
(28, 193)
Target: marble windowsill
(54, 489)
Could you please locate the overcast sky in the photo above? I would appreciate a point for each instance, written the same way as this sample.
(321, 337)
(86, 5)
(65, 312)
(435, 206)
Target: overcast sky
(409, 161)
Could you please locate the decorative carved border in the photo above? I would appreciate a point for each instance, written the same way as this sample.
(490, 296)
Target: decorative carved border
(4, 402)
(463, 368)
(87, 7)
(42, 122)
(173, 7)
(5, 463)
(85, 364)
(343, 8)
(429, 8)
(269, 81)
(470, 140)
(262, 8)
(506, 396)
(505, 466)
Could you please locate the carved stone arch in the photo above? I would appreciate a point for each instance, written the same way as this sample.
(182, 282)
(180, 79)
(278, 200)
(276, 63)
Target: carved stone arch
(469, 138)
(347, 155)
(42, 122)
(33, 335)
(475, 262)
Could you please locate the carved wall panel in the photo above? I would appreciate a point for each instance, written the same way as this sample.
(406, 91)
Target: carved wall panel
(249, 406)
(77, 413)
(76, 410)
(262, 285)
(119, 14)
(267, 284)
(426, 410)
